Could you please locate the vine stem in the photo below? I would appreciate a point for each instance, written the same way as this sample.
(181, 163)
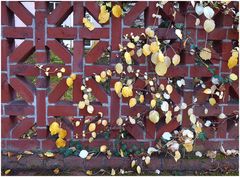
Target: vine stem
(206, 39)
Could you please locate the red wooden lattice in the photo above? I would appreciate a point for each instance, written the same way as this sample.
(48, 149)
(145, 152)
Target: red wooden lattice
(41, 103)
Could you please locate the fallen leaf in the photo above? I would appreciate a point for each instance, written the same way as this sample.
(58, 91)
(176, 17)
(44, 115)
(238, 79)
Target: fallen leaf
(6, 172)
(177, 156)
(49, 154)
(28, 152)
(56, 171)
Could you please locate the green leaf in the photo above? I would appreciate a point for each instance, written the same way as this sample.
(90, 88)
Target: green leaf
(124, 147)
(202, 136)
(68, 152)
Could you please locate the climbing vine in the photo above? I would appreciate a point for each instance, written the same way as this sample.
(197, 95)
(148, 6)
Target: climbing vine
(157, 96)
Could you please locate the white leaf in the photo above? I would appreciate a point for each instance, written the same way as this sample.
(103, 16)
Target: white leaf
(209, 25)
(167, 136)
(151, 150)
(198, 154)
(183, 106)
(199, 9)
(208, 123)
(176, 59)
(195, 100)
(222, 116)
(188, 133)
(190, 111)
(176, 108)
(197, 22)
(205, 111)
(147, 160)
(193, 118)
(178, 32)
(157, 171)
(208, 12)
(166, 96)
(164, 106)
(132, 120)
(83, 154)
(179, 117)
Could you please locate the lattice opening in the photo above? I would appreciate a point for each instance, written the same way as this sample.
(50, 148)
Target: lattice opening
(67, 96)
(92, 19)
(31, 79)
(139, 22)
(17, 42)
(104, 59)
(30, 59)
(69, 21)
(54, 59)
(30, 133)
(30, 6)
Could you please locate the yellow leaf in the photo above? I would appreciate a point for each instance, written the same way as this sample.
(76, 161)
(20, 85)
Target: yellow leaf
(73, 76)
(146, 50)
(127, 92)
(92, 127)
(89, 172)
(118, 87)
(141, 98)
(132, 102)
(160, 56)
(133, 163)
(69, 82)
(117, 11)
(153, 103)
(60, 143)
(62, 133)
(205, 54)
(233, 77)
(104, 15)
(149, 32)
(81, 105)
(154, 47)
(207, 91)
(154, 116)
(119, 68)
(139, 169)
(54, 128)
(97, 78)
(103, 148)
(6, 172)
(161, 69)
(88, 24)
(188, 147)
(177, 156)
(128, 58)
(131, 45)
(232, 62)
(168, 117)
(212, 101)
(176, 59)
